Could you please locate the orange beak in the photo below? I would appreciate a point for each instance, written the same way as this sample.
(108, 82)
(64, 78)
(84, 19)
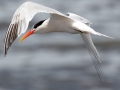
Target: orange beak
(27, 34)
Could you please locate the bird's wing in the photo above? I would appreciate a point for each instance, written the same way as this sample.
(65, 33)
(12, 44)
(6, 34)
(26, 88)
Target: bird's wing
(79, 18)
(93, 53)
(21, 18)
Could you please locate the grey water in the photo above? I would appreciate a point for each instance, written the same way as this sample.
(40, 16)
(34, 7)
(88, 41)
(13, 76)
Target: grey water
(60, 61)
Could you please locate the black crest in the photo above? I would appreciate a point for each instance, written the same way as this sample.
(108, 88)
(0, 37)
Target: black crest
(38, 24)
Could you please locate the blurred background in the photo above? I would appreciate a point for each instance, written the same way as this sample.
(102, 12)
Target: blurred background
(60, 61)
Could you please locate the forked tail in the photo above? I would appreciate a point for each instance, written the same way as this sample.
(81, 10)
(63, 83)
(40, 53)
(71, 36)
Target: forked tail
(100, 34)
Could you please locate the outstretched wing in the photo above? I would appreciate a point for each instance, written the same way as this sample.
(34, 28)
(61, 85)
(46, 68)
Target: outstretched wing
(89, 44)
(21, 18)
(79, 18)
(93, 53)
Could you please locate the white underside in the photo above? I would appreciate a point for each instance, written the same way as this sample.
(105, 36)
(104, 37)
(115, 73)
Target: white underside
(62, 24)
(58, 23)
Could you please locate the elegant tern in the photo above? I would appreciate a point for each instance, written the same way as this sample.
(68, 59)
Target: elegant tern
(57, 22)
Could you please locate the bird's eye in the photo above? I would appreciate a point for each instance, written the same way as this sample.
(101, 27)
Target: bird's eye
(39, 23)
(67, 14)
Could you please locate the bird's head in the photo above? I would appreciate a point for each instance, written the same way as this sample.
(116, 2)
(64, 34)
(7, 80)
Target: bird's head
(32, 31)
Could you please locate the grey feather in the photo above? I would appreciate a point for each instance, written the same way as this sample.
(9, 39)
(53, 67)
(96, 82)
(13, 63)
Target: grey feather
(79, 18)
(93, 53)
(22, 16)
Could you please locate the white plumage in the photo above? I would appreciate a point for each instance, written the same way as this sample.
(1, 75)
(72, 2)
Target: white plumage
(57, 22)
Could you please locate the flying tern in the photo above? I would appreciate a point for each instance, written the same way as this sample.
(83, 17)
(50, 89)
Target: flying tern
(58, 22)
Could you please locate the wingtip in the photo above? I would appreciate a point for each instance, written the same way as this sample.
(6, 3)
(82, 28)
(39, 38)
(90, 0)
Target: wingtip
(5, 54)
(102, 82)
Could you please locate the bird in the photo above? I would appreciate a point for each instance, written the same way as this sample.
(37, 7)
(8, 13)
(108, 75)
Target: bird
(57, 22)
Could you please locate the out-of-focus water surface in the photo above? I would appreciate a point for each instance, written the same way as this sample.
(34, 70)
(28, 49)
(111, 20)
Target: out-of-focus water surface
(60, 61)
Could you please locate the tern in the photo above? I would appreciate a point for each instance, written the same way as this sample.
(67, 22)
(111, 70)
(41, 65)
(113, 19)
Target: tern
(57, 22)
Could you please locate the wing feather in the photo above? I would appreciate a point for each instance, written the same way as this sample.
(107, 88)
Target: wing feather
(93, 53)
(10, 37)
(21, 18)
(79, 18)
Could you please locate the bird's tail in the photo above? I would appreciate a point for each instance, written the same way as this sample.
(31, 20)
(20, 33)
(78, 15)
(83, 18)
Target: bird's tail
(100, 34)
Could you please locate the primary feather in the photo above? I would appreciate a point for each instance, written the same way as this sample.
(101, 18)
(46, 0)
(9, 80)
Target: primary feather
(93, 53)
(22, 16)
